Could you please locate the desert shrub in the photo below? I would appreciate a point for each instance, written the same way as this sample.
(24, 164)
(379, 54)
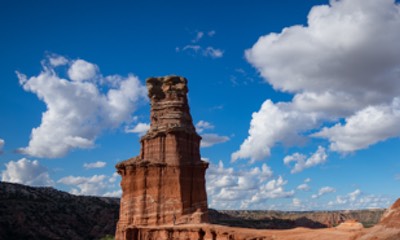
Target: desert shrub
(107, 237)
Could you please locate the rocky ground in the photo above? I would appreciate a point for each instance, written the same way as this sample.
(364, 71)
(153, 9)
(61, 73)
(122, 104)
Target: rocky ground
(46, 213)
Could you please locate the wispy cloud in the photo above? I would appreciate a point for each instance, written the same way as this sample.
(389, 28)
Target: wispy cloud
(196, 49)
(2, 143)
(322, 191)
(209, 139)
(98, 164)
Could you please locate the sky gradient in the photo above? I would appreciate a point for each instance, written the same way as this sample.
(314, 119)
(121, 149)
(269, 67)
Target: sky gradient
(298, 102)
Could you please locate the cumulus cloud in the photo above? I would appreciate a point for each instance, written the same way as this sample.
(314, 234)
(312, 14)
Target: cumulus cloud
(81, 70)
(140, 129)
(245, 189)
(96, 185)
(359, 200)
(79, 108)
(322, 191)
(343, 65)
(98, 164)
(2, 142)
(271, 124)
(26, 172)
(211, 139)
(302, 162)
(366, 127)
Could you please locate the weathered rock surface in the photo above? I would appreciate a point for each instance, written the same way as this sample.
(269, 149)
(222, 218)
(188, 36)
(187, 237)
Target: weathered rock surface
(46, 213)
(166, 182)
(351, 224)
(291, 219)
(389, 226)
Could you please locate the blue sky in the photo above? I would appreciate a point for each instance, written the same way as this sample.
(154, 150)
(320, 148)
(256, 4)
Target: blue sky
(298, 102)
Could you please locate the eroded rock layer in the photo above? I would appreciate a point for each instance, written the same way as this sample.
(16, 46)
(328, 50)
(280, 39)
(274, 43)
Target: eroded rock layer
(165, 184)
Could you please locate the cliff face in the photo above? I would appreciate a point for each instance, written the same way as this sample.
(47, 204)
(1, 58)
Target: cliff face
(165, 184)
(46, 213)
(286, 220)
(389, 226)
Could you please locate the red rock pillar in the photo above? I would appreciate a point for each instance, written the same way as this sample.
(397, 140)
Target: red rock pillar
(167, 180)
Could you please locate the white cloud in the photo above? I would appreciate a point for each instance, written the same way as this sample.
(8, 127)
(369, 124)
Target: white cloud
(96, 185)
(211, 33)
(140, 129)
(213, 52)
(81, 70)
(204, 51)
(2, 143)
(114, 177)
(271, 190)
(203, 125)
(343, 65)
(26, 172)
(301, 161)
(97, 164)
(78, 110)
(243, 189)
(296, 202)
(358, 200)
(322, 191)
(57, 60)
(366, 127)
(210, 139)
(271, 124)
(196, 49)
(116, 193)
(303, 187)
(199, 36)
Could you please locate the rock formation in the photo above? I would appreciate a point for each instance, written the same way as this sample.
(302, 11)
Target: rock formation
(165, 184)
(389, 226)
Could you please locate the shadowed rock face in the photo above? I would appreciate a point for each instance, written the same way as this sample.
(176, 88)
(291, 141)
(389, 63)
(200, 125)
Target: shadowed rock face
(166, 182)
(44, 213)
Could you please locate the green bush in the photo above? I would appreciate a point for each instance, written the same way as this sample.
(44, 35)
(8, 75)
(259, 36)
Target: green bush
(107, 237)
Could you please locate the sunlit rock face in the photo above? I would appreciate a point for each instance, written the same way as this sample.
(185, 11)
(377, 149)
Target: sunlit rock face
(165, 184)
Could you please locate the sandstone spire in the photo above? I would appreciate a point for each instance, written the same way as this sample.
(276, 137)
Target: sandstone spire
(166, 182)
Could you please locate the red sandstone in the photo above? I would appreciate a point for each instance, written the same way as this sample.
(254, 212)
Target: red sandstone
(166, 182)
